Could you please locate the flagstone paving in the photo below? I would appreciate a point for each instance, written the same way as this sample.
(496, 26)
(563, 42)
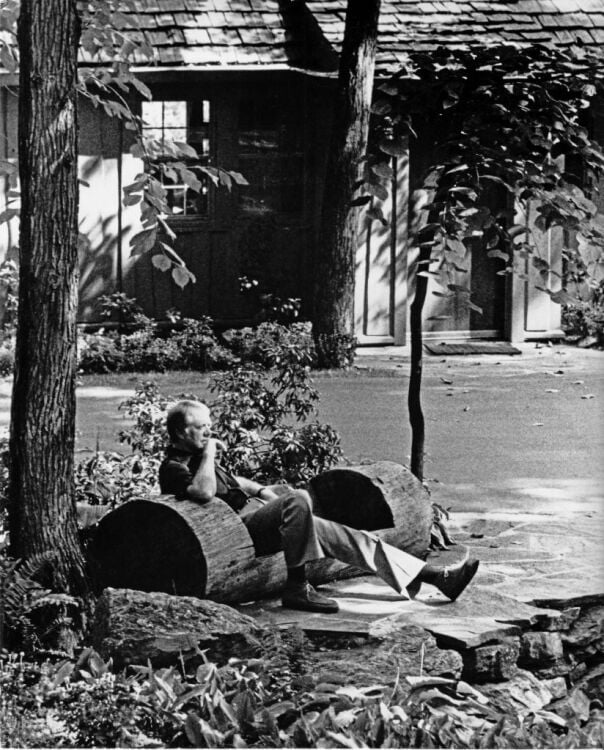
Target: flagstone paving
(529, 563)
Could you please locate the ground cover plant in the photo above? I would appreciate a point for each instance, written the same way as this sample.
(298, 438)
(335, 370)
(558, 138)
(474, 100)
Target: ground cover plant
(267, 701)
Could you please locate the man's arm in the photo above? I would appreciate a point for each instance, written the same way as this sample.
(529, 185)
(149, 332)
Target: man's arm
(203, 485)
(256, 489)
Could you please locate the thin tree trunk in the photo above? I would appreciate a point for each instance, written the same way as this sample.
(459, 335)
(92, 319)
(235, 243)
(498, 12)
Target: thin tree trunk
(42, 516)
(416, 416)
(334, 272)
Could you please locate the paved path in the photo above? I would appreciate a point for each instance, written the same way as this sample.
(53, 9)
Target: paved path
(529, 562)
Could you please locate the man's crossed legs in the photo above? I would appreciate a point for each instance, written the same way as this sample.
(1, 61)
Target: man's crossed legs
(287, 523)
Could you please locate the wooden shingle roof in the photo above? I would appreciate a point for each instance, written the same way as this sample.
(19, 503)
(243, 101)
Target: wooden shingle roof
(281, 33)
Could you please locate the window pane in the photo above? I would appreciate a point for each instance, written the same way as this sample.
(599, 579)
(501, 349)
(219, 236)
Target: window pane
(176, 134)
(185, 122)
(152, 113)
(176, 199)
(175, 114)
(155, 133)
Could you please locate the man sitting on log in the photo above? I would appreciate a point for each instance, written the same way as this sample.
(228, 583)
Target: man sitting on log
(286, 522)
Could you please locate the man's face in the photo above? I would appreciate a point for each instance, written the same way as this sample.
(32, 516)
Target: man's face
(198, 428)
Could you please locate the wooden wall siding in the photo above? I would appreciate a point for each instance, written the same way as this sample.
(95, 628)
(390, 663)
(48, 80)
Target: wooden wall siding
(540, 313)
(218, 248)
(381, 289)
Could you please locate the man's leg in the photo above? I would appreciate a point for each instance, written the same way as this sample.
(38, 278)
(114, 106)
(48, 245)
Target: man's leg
(398, 569)
(367, 551)
(286, 523)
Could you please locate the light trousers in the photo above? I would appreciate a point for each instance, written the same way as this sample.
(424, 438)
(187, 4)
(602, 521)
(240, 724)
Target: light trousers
(287, 523)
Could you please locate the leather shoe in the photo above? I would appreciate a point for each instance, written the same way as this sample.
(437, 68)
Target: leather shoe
(303, 596)
(453, 582)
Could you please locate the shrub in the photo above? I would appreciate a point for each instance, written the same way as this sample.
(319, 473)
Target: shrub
(120, 305)
(198, 346)
(7, 357)
(9, 286)
(256, 412)
(191, 346)
(270, 343)
(99, 352)
(110, 478)
(261, 415)
(145, 351)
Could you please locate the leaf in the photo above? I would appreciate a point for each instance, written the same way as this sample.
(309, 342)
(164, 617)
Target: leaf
(182, 276)
(376, 213)
(498, 254)
(588, 395)
(381, 107)
(393, 146)
(8, 214)
(377, 190)
(7, 167)
(382, 169)
(456, 246)
(361, 200)
(161, 262)
(63, 673)
(186, 149)
(465, 191)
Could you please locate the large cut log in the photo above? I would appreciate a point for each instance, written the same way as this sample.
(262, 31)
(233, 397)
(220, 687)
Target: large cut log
(182, 547)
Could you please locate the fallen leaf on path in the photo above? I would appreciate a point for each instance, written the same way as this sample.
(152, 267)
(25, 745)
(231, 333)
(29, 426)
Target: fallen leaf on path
(552, 390)
(559, 372)
(588, 395)
(578, 382)
(537, 424)
(466, 408)
(448, 382)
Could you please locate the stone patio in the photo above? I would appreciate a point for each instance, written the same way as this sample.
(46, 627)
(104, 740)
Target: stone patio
(533, 566)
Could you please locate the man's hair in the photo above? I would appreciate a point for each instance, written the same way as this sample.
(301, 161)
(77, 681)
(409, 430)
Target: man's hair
(177, 415)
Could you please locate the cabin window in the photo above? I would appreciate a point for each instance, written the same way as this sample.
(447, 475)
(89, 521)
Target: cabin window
(270, 156)
(170, 122)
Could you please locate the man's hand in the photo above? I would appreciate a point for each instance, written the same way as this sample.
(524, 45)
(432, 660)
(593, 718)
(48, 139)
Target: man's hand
(212, 444)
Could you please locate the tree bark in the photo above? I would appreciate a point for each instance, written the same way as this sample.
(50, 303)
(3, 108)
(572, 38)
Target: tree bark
(42, 516)
(414, 404)
(334, 272)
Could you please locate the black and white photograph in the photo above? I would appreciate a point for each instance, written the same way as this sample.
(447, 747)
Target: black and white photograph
(301, 374)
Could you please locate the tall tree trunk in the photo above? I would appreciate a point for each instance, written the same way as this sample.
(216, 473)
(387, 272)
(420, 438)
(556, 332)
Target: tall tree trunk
(416, 416)
(42, 514)
(333, 306)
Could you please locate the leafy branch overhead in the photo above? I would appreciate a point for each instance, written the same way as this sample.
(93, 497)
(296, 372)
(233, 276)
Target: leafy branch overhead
(505, 121)
(110, 46)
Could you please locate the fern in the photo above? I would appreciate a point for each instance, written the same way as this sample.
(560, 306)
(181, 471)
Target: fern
(21, 596)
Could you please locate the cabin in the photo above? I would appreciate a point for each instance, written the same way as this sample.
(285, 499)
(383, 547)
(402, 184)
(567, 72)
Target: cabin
(250, 83)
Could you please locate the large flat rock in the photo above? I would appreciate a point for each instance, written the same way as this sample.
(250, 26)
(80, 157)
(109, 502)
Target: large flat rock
(369, 608)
